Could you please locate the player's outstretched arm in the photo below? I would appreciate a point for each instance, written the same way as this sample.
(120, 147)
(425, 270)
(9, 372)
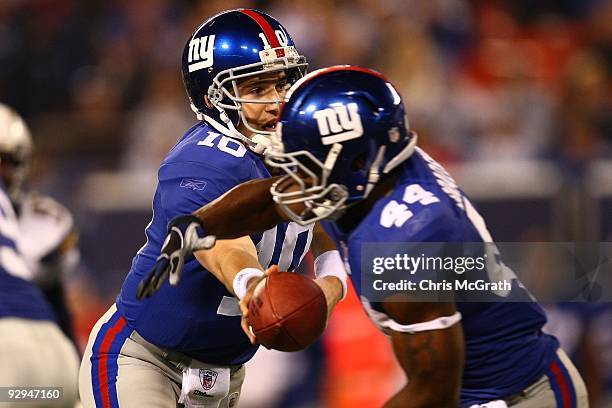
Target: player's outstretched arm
(246, 209)
(431, 359)
(228, 257)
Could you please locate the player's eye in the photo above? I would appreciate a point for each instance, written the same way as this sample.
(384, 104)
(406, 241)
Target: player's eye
(256, 91)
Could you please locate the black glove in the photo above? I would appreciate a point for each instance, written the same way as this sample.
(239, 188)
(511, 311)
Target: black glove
(183, 239)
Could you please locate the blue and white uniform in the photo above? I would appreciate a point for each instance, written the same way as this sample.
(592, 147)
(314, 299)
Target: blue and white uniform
(47, 241)
(198, 318)
(33, 349)
(21, 298)
(505, 349)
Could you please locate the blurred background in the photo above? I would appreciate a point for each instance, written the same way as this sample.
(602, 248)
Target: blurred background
(514, 97)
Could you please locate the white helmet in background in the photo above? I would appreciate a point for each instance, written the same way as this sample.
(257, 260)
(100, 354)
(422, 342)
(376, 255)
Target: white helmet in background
(15, 151)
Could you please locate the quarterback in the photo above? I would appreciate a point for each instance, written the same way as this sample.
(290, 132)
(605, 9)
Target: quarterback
(185, 344)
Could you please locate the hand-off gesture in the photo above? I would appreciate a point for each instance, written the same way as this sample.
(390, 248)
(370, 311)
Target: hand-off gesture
(244, 302)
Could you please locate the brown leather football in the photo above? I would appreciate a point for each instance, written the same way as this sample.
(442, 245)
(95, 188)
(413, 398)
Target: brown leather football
(287, 311)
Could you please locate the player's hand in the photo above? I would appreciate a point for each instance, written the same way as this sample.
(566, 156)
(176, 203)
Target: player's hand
(244, 302)
(182, 240)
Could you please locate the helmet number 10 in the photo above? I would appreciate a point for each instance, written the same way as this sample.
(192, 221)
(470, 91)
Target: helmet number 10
(280, 35)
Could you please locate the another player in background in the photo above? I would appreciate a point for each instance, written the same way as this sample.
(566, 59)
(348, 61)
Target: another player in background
(351, 158)
(33, 350)
(185, 344)
(47, 237)
(585, 332)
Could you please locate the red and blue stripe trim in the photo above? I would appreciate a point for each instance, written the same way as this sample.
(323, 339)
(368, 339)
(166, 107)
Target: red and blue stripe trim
(561, 384)
(104, 355)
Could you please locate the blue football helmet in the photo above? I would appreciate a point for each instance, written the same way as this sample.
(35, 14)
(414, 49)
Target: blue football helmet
(340, 129)
(229, 47)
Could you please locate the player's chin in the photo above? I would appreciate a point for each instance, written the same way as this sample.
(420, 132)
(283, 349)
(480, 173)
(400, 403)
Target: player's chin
(265, 127)
(270, 127)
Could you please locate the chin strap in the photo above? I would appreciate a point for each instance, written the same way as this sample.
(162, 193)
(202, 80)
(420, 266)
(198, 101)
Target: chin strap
(374, 175)
(403, 155)
(257, 144)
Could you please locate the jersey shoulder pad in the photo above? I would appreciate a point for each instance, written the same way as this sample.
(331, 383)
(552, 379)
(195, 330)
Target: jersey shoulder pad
(411, 213)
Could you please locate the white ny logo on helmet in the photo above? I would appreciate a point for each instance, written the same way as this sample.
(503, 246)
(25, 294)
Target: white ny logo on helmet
(201, 49)
(341, 122)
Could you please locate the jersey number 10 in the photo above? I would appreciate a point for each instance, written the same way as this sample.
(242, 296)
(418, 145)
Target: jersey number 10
(225, 144)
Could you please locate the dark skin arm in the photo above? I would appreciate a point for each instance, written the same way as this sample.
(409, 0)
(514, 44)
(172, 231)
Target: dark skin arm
(432, 360)
(246, 209)
(249, 208)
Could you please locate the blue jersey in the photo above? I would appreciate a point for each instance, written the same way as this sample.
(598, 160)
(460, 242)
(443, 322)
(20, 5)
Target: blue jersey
(19, 296)
(505, 349)
(199, 317)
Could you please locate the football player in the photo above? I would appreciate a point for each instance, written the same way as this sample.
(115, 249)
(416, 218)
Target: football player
(350, 157)
(185, 344)
(47, 235)
(33, 350)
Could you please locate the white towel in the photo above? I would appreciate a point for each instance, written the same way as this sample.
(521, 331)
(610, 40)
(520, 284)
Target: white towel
(204, 386)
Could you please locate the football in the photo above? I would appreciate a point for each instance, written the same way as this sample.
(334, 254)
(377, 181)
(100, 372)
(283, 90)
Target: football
(287, 312)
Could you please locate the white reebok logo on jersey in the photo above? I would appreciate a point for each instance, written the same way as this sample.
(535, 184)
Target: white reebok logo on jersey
(193, 184)
(201, 52)
(341, 122)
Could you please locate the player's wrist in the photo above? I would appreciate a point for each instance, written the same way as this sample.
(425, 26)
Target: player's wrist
(244, 279)
(329, 264)
(334, 288)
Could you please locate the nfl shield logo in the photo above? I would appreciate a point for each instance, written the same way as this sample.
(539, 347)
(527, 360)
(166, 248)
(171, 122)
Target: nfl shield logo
(208, 378)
